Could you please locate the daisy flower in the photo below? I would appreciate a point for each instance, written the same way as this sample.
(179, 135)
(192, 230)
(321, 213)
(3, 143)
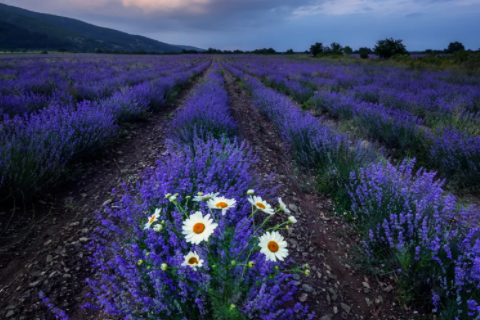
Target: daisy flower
(152, 219)
(273, 246)
(222, 203)
(283, 206)
(261, 204)
(157, 227)
(292, 219)
(205, 197)
(192, 259)
(250, 192)
(198, 228)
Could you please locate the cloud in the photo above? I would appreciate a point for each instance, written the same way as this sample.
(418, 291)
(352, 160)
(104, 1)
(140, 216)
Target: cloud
(379, 8)
(414, 15)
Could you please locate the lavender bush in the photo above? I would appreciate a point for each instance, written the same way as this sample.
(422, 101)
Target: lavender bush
(206, 113)
(421, 235)
(155, 272)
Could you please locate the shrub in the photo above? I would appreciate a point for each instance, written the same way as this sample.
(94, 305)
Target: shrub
(389, 47)
(316, 49)
(454, 47)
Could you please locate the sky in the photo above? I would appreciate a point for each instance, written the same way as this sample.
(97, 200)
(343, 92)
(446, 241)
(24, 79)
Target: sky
(279, 24)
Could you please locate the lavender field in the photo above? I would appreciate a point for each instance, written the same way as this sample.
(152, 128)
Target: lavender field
(282, 188)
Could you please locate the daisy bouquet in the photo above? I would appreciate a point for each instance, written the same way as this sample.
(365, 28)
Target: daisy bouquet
(196, 259)
(223, 262)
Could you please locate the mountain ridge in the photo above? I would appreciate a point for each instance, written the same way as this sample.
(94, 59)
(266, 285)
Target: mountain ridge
(23, 29)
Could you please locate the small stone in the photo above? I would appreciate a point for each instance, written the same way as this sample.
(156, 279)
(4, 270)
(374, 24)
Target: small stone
(369, 302)
(83, 239)
(35, 284)
(388, 289)
(293, 207)
(366, 285)
(303, 297)
(334, 294)
(335, 310)
(49, 258)
(345, 307)
(10, 314)
(84, 195)
(326, 317)
(107, 202)
(307, 288)
(295, 276)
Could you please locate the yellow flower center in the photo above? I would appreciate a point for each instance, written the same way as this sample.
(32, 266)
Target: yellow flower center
(198, 228)
(151, 219)
(192, 260)
(261, 205)
(273, 246)
(222, 205)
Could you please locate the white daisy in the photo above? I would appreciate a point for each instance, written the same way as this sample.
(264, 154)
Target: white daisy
(157, 227)
(273, 246)
(198, 228)
(250, 192)
(205, 197)
(283, 206)
(292, 219)
(261, 204)
(153, 218)
(192, 259)
(221, 203)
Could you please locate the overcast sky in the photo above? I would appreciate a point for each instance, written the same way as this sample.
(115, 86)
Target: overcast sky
(280, 24)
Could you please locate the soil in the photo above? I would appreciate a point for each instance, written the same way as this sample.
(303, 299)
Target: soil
(335, 289)
(50, 254)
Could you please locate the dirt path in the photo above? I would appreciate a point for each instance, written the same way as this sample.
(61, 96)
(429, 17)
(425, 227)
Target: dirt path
(53, 259)
(335, 289)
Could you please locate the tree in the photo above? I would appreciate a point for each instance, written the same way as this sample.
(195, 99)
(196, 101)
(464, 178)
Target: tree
(454, 47)
(336, 48)
(347, 50)
(364, 52)
(289, 51)
(316, 49)
(389, 47)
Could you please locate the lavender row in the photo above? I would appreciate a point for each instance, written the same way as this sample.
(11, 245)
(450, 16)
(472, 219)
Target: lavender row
(148, 269)
(427, 95)
(39, 85)
(411, 227)
(455, 154)
(206, 113)
(35, 149)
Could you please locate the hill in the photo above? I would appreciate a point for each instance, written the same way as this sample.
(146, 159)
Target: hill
(22, 29)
